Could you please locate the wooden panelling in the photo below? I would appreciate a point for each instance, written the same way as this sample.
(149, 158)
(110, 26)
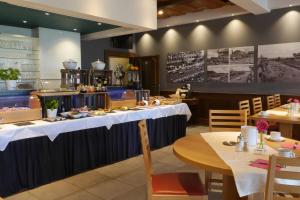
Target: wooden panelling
(220, 101)
(180, 7)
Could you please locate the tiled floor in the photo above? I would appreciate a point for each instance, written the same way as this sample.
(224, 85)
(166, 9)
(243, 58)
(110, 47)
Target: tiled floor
(125, 180)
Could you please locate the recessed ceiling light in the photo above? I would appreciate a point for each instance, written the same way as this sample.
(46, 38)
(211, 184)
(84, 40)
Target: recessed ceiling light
(160, 12)
(290, 5)
(99, 23)
(75, 29)
(46, 13)
(24, 22)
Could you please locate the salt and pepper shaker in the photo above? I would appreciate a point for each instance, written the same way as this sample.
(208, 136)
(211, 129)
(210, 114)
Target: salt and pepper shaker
(240, 145)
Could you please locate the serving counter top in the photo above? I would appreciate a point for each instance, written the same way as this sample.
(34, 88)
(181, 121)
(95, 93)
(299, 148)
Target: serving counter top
(11, 132)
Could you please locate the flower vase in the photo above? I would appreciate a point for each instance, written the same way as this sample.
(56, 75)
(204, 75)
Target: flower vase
(261, 141)
(295, 108)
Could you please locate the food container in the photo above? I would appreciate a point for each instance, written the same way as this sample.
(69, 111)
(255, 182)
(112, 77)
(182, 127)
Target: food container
(20, 115)
(98, 65)
(70, 64)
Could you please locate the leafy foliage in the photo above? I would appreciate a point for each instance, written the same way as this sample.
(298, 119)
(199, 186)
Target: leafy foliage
(52, 104)
(9, 74)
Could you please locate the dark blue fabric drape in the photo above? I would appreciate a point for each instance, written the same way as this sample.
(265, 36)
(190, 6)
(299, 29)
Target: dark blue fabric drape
(28, 163)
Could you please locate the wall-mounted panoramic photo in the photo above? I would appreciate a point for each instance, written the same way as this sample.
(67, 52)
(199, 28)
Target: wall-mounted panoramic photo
(185, 67)
(279, 62)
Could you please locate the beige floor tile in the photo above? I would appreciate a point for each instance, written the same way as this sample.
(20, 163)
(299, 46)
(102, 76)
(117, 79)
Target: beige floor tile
(138, 193)
(81, 195)
(123, 167)
(171, 159)
(158, 154)
(87, 179)
(159, 168)
(110, 189)
(21, 196)
(56, 190)
(136, 178)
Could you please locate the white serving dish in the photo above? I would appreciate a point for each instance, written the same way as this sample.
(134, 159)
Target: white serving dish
(280, 139)
(70, 64)
(76, 116)
(98, 65)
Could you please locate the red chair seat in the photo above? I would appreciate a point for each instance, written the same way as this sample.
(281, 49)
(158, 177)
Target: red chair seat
(177, 184)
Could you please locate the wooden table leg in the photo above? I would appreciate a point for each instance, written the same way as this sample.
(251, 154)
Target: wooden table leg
(229, 189)
(286, 130)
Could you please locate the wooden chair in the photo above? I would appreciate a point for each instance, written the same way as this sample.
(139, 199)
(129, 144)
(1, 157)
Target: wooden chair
(169, 186)
(223, 120)
(276, 189)
(227, 120)
(270, 102)
(277, 100)
(257, 105)
(245, 105)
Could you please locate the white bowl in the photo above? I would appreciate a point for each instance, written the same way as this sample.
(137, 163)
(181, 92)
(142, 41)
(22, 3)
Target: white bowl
(70, 64)
(98, 65)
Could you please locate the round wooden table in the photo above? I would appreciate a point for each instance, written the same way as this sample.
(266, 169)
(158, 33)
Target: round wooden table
(194, 150)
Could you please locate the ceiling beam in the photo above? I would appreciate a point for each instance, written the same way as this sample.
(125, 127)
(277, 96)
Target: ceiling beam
(253, 6)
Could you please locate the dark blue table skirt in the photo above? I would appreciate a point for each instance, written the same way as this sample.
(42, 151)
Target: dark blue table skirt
(28, 163)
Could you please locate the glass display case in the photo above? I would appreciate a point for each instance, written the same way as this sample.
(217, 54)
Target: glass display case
(20, 52)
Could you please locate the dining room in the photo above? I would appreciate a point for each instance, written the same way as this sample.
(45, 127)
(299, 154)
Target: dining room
(150, 100)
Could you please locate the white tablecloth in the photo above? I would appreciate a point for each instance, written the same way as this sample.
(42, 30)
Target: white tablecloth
(10, 132)
(249, 180)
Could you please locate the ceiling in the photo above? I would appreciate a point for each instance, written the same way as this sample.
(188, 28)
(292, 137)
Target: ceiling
(12, 15)
(175, 13)
(172, 8)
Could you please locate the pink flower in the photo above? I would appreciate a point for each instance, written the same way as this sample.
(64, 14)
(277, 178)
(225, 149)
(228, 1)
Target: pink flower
(262, 125)
(293, 100)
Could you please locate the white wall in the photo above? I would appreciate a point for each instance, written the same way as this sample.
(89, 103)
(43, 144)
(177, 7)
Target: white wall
(139, 14)
(55, 47)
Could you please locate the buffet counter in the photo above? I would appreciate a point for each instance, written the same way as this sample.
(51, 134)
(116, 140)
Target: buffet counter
(36, 154)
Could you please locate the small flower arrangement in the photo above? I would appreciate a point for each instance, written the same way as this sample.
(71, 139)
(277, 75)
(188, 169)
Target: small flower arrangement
(262, 127)
(293, 100)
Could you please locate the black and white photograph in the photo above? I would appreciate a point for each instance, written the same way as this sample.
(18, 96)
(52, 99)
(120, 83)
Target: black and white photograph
(218, 56)
(218, 73)
(185, 67)
(279, 62)
(241, 55)
(241, 73)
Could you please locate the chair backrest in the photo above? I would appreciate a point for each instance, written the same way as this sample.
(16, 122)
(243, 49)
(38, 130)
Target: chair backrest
(257, 105)
(245, 105)
(277, 100)
(146, 151)
(227, 120)
(270, 102)
(277, 180)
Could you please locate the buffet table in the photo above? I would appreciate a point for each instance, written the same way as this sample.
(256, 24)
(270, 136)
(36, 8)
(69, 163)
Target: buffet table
(43, 152)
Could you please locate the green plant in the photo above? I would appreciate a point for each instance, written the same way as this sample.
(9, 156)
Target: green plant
(9, 74)
(51, 104)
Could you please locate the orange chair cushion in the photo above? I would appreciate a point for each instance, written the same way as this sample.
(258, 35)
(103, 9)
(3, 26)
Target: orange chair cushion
(177, 184)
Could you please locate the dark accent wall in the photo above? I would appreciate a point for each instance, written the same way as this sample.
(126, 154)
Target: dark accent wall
(91, 50)
(279, 26)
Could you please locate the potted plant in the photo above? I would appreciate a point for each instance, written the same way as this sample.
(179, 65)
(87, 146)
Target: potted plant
(10, 76)
(51, 106)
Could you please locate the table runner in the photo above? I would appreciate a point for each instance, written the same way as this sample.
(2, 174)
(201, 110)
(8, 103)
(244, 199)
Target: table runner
(10, 132)
(249, 180)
